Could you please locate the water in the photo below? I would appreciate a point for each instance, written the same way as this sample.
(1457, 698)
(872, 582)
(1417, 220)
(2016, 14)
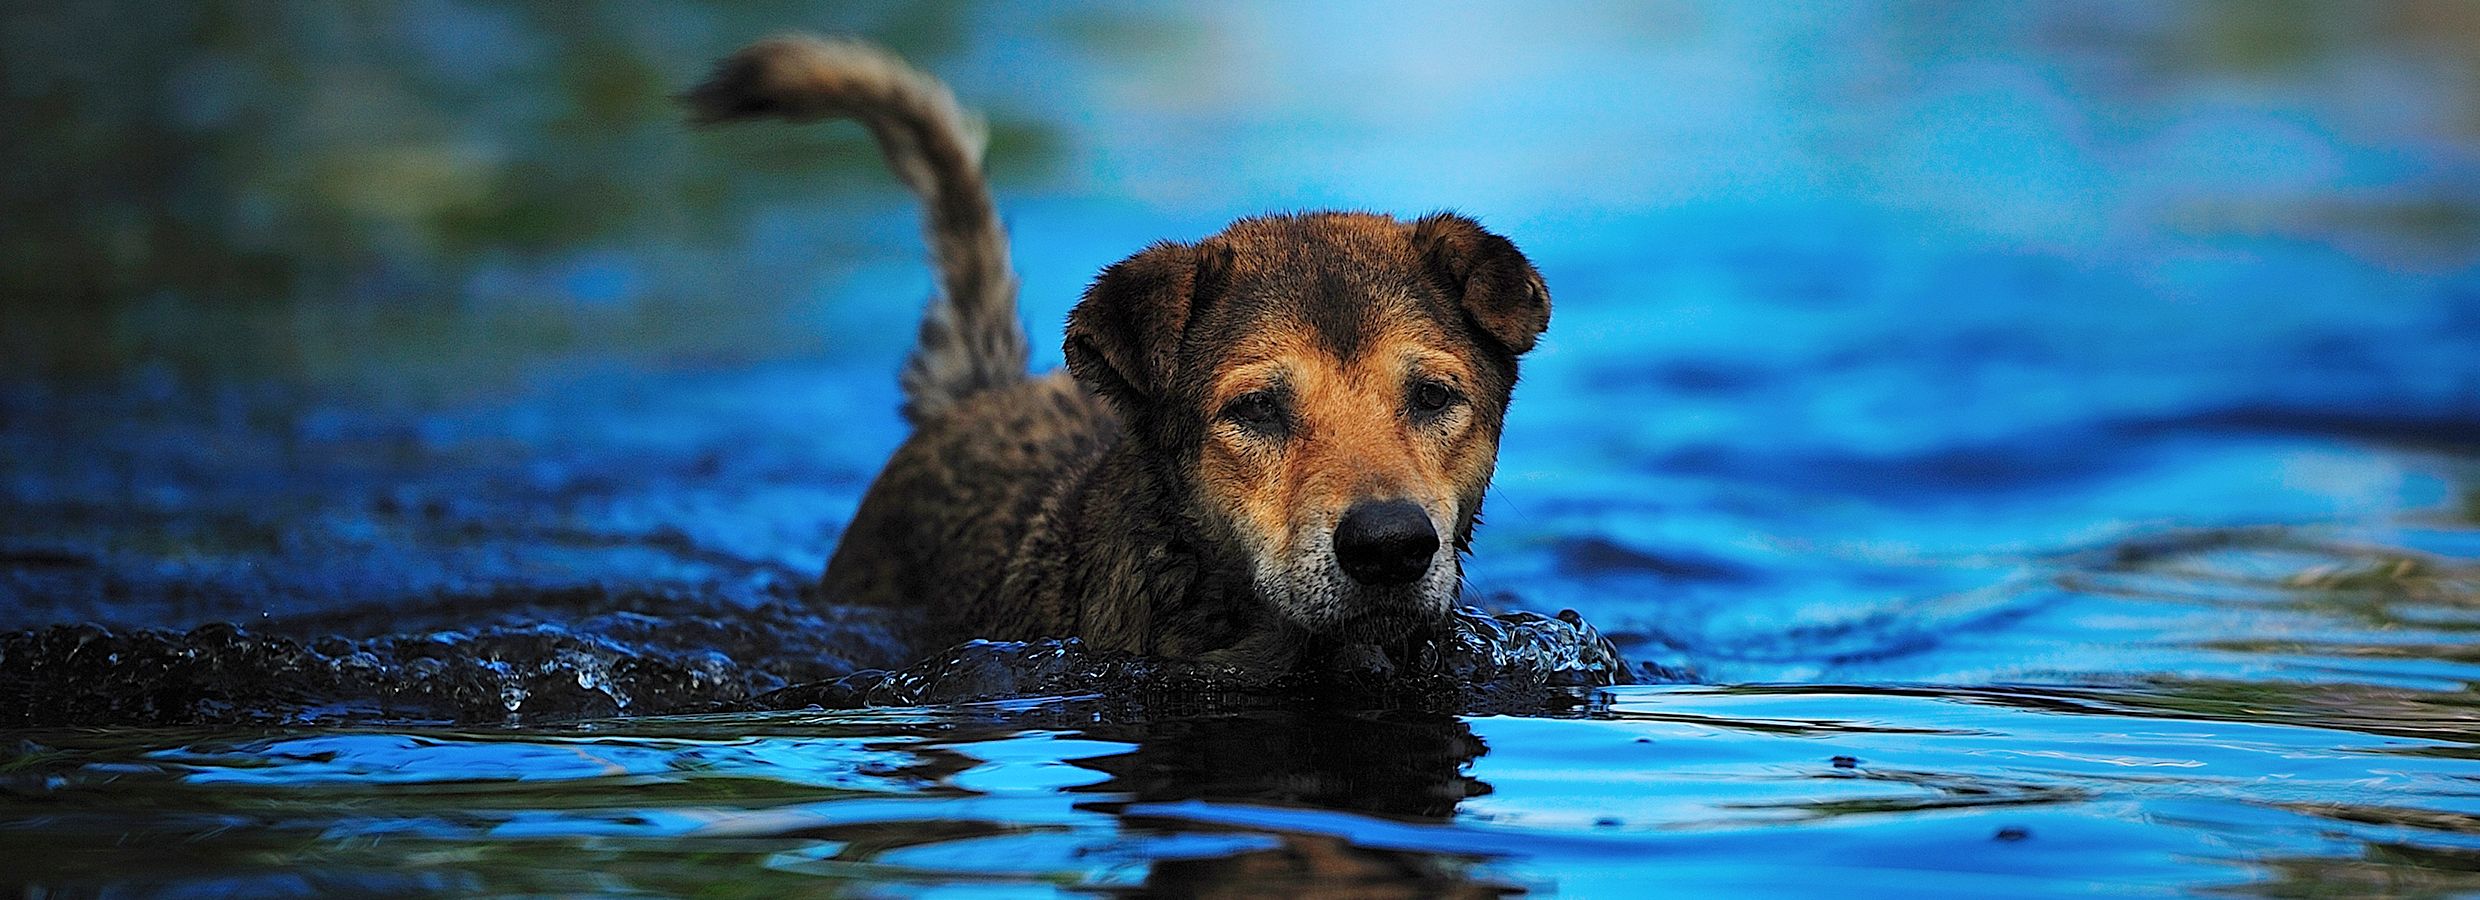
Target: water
(1818, 788)
(2020, 450)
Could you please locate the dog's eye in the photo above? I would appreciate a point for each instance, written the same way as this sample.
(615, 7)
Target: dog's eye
(1430, 398)
(1261, 412)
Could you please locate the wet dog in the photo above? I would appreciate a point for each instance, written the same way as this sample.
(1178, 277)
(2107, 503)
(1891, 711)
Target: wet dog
(1268, 445)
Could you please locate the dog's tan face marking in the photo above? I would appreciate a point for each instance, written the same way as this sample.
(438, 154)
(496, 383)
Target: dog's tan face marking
(1298, 432)
(1307, 372)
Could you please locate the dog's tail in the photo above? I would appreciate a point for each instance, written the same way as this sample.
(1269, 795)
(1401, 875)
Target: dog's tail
(970, 338)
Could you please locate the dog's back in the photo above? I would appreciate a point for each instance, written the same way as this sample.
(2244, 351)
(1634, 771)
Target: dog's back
(959, 502)
(990, 445)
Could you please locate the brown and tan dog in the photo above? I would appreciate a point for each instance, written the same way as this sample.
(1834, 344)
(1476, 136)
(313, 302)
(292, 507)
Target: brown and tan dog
(1267, 444)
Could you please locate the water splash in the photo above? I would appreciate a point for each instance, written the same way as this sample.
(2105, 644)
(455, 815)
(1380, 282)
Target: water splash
(1481, 660)
(616, 665)
(597, 666)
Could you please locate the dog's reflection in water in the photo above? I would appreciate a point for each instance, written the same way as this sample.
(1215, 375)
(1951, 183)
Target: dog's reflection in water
(1401, 767)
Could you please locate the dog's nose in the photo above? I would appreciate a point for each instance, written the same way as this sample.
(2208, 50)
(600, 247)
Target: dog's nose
(1385, 543)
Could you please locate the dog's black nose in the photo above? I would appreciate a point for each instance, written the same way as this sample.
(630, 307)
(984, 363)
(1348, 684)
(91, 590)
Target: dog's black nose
(1385, 543)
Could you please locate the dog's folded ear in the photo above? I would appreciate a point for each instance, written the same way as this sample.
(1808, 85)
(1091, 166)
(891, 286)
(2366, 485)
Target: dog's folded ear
(1500, 291)
(1123, 339)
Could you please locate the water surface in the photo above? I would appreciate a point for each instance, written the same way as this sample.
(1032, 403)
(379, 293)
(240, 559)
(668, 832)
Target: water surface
(2045, 439)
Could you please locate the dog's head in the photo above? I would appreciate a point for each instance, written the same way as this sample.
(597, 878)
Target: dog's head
(1326, 392)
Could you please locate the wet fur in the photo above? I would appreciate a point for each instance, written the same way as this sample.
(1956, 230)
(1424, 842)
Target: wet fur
(1117, 501)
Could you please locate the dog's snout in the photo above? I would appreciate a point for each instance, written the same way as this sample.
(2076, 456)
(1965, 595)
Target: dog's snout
(1385, 542)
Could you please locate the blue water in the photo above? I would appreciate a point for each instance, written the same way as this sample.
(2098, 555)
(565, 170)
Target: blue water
(1820, 789)
(2050, 435)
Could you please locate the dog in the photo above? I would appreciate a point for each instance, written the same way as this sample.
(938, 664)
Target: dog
(1267, 446)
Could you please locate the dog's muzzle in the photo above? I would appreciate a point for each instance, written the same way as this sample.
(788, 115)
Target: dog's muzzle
(1385, 543)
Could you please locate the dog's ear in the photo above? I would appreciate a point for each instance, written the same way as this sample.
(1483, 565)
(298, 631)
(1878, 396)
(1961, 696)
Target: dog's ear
(1123, 338)
(1499, 290)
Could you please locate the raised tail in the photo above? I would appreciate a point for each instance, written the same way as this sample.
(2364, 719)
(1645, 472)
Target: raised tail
(970, 338)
